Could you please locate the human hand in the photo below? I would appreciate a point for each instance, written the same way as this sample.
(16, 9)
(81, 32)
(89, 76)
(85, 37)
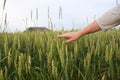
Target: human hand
(71, 36)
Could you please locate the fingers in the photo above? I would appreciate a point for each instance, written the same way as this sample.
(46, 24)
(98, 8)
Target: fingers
(66, 35)
(68, 41)
(63, 36)
(60, 36)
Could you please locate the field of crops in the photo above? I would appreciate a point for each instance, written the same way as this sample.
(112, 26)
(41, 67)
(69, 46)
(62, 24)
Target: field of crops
(42, 56)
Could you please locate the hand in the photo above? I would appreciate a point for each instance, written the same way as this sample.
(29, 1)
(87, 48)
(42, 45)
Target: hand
(71, 36)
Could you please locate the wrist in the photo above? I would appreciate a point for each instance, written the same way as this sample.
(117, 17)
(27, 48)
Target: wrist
(80, 33)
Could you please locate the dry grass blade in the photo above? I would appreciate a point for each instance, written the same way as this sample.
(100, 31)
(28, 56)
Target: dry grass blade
(36, 14)
(48, 18)
(31, 15)
(5, 22)
(4, 4)
(60, 13)
(48, 12)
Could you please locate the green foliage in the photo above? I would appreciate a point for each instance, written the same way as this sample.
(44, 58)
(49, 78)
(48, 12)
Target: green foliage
(42, 56)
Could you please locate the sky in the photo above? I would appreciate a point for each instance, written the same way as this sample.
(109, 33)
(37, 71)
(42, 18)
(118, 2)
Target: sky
(75, 13)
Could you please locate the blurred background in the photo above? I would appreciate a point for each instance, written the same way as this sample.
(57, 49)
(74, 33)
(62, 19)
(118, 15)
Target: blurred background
(18, 15)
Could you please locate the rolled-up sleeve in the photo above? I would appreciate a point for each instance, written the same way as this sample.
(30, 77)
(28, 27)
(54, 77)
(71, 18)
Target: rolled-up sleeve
(109, 19)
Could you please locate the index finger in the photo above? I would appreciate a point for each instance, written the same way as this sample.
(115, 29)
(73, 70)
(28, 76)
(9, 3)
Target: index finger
(61, 36)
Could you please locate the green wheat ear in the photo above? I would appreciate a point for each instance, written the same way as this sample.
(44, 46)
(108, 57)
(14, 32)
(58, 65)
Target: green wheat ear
(1, 75)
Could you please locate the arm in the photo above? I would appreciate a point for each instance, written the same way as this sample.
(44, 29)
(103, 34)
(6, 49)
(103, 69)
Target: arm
(108, 20)
(72, 36)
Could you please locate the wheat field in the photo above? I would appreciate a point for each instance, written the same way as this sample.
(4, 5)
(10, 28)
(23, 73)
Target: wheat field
(42, 56)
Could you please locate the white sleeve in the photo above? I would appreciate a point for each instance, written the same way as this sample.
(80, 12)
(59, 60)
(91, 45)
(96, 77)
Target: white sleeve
(109, 19)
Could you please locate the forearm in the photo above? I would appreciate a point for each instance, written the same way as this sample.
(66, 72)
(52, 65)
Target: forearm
(91, 28)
